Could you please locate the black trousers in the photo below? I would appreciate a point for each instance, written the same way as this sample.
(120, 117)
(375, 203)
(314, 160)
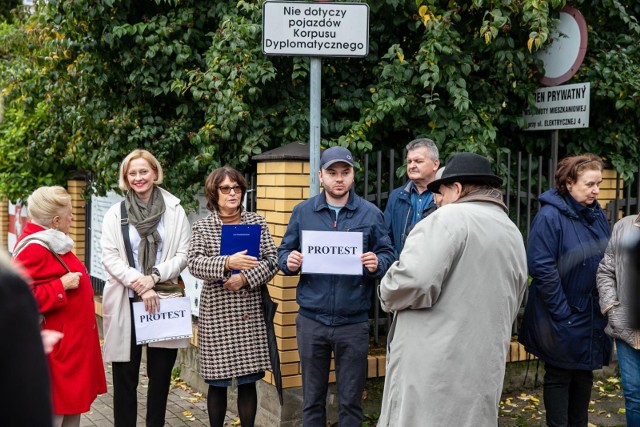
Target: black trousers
(349, 345)
(566, 394)
(160, 363)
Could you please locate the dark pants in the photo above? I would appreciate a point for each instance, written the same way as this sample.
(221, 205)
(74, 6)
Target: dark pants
(160, 363)
(349, 344)
(566, 396)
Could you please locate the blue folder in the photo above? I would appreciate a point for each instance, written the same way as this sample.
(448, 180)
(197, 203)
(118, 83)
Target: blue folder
(238, 237)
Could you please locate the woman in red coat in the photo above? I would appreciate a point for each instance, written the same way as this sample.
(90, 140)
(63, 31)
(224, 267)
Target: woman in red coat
(64, 294)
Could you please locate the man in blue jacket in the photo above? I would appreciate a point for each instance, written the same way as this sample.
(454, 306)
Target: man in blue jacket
(407, 203)
(333, 314)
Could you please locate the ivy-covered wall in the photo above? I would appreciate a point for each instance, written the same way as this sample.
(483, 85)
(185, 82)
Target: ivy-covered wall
(84, 82)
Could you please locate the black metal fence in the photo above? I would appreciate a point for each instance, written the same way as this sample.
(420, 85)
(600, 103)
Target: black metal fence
(525, 178)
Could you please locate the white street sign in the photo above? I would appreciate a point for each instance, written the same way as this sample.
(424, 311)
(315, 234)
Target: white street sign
(560, 107)
(315, 29)
(564, 55)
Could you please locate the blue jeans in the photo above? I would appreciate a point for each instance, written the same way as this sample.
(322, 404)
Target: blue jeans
(350, 346)
(629, 363)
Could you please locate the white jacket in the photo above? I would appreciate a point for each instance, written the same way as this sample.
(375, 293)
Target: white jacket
(115, 298)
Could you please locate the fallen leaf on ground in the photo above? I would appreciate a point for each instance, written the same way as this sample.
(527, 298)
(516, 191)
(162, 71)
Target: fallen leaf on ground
(528, 398)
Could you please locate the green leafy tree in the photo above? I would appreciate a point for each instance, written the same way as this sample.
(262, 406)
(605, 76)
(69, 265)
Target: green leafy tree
(105, 72)
(84, 82)
(6, 8)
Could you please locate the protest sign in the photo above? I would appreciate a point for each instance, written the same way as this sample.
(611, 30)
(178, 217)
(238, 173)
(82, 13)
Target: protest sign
(173, 321)
(332, 252)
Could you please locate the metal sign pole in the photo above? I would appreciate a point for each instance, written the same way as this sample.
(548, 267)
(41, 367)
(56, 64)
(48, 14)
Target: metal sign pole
(555, 142)
(294, 28)
(314, 124)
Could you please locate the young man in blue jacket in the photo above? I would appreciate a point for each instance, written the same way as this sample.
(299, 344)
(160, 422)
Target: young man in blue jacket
(407, 203)
(333, 314)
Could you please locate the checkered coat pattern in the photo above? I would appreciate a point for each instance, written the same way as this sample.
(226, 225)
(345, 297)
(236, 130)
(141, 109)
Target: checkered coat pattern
(232, 335)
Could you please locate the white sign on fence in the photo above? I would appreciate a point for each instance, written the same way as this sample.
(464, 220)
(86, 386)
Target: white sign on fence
(99, 207)
(560, 107)
(315, 29)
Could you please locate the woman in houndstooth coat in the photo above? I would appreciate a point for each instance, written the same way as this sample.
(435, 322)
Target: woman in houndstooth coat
(232, 336)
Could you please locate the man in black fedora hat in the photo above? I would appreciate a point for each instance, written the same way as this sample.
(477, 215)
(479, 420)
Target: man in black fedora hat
(455, 291)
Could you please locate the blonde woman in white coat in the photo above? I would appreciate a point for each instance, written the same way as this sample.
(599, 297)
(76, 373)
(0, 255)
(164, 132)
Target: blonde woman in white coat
(159, 233)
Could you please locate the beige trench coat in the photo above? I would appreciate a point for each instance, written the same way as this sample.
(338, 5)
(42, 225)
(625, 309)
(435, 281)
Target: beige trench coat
(115, 298)
(456, 290)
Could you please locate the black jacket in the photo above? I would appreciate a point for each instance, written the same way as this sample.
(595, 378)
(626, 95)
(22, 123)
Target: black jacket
(25, 395)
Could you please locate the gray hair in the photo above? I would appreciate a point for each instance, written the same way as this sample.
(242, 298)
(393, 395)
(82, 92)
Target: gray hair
(46, 203)
(428, 144)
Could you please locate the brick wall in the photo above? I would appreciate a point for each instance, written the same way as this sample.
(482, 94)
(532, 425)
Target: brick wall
(4, 223)
(281, 185)
(78, 208)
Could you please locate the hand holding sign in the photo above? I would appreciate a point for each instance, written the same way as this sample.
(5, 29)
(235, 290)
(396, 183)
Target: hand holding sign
(294, 261)
(151, 301)
(370, 261)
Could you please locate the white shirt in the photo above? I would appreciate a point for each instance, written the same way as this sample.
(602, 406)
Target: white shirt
(134, 237)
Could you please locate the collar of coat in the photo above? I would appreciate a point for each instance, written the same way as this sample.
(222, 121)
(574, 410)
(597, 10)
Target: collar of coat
(485, 195)
(216, 216)
(321, 201)
(52, 239)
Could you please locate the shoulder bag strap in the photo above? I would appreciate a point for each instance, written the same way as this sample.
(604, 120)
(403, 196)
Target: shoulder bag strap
(55, 254)
(124, 224)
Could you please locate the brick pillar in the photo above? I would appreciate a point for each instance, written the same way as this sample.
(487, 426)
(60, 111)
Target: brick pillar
(76, 188)
(281, 186)
(282, 183)
(4, 222)
(608, 190)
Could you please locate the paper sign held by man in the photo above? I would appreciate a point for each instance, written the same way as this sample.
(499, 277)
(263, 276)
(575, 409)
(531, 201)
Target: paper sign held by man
(332, 252)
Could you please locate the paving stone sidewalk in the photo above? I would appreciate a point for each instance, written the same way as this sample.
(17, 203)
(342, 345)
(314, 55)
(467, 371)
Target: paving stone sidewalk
(184, 406)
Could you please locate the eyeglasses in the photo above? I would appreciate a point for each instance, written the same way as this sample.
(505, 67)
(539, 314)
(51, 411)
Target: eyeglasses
(225, 189)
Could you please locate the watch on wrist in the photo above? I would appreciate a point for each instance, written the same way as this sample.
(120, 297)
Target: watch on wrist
(156, 273)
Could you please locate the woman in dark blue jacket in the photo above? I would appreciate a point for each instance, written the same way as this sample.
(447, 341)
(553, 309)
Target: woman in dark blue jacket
(562, 322)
